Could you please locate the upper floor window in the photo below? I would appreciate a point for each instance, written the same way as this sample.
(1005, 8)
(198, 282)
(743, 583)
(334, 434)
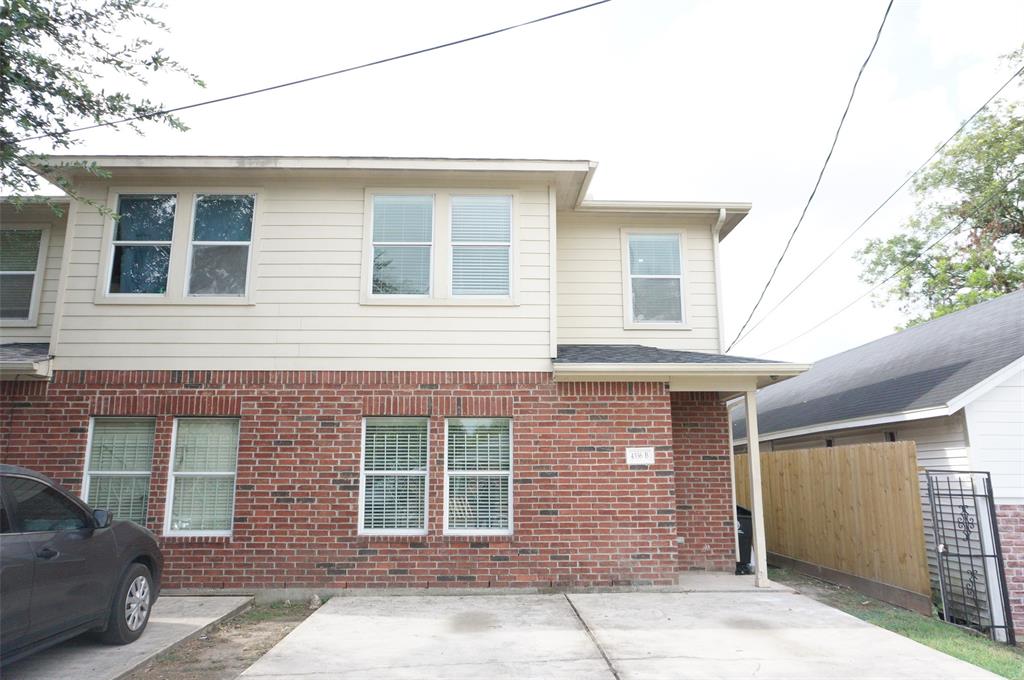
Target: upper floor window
(655, 277)
(403, 235)
(21, 263)
(481, 244)
(142, 244)
(221, 240)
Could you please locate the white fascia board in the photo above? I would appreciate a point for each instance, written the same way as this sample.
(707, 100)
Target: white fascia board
(979, 390)
(900, 417)
(39, 370)
(663, 370)
(326, 163)
(662, 207)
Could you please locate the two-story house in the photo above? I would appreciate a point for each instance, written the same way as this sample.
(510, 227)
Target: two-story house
(362, 372)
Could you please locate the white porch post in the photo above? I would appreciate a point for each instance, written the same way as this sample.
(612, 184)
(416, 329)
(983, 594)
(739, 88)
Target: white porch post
(756, 502)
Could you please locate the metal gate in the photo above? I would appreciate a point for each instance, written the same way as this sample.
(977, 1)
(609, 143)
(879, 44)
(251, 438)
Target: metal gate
(970, 560)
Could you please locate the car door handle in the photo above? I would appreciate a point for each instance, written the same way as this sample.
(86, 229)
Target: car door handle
(47, 553)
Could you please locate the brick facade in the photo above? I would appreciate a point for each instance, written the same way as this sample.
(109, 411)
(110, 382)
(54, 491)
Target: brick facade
(704, 514)
(1011, 539)
(582, 517)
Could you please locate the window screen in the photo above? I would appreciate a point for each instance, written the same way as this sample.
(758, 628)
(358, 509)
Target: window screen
(394, 475)
(481, 244)
(478, 475)
(655, 278)
(142, 244)
(120, 462)
(19, 258)
(203, 475)
(403, 228)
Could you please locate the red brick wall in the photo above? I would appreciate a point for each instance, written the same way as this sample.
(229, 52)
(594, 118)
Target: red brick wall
(582, 516)
(700, 441)
(1011, 539)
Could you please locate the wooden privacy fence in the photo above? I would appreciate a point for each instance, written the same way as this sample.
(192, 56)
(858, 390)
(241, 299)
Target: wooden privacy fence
(853, 513)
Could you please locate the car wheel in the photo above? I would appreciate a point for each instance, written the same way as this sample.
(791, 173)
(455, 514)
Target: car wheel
(130, 611)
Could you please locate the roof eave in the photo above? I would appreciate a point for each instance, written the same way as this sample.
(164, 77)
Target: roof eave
(26, 370)
(734, 211)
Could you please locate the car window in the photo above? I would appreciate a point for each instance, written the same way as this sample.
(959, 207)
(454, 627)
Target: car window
(5, 522)
(41, 508)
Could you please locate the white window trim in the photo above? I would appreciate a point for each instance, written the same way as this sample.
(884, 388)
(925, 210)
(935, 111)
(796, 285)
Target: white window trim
(510, 244)
(361, 531)
(440, 264)
(113, 244)
(172, 475)
(32, 320)
(366, 290)
(181, 237)
(192, 243)
(89, 474)
(484, 473)
(627, 281)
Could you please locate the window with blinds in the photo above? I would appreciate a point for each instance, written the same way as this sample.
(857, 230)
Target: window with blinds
(655, 278)
(120, 461)
(478, 476)
(201, 496)
(19, 262)
(393, 479)
(481, 244)
(403, 234)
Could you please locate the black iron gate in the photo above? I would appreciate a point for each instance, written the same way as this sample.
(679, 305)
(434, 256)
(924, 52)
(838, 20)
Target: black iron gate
(970, 560)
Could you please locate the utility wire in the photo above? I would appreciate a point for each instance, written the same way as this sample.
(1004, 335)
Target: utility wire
(817, 183)
(881, 205)
(349, 69)
(896, 273)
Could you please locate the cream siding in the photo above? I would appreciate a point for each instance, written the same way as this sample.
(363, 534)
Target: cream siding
(44, 216)
(995, 423)
(590, 282)
(304, 309)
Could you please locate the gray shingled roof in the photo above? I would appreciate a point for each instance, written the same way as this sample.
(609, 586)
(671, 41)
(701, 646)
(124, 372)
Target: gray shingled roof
(641, 354)
(19, 352)
(922, 367)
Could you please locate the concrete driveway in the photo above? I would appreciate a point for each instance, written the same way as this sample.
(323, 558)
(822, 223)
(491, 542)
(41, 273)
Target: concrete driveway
(606, 636)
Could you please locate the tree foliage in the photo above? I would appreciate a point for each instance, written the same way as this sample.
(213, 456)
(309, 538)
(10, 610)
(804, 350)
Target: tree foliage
(975, 190)
(68, 63)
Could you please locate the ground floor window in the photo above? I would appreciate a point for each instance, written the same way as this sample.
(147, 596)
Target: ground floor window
(118, 466)
(201, 493)
(478, 476)
(393, 479)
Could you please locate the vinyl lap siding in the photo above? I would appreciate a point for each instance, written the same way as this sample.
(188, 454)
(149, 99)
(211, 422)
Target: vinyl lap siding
(41, 216)
(590, 288)
(306, 313)
(995, 422)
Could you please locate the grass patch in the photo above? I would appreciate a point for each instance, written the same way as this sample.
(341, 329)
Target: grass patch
(274, 611)
(957, 642)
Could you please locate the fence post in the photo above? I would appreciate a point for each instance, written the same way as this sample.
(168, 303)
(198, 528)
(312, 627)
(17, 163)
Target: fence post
(756, 502)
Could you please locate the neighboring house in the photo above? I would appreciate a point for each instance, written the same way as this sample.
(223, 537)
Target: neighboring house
(954, 385)
(365, 372)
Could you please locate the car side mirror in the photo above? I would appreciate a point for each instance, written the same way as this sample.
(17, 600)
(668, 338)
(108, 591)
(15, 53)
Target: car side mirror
(102, 518)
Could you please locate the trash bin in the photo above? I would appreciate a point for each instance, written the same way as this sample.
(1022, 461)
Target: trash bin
(745, 533)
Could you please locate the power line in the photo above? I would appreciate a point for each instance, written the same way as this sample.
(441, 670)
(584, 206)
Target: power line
(896, 273)
(349, 69)
(881, 205)
(817, 183)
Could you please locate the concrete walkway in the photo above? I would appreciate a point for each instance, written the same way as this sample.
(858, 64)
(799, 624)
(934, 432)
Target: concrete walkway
(611, 636)
(173, 620)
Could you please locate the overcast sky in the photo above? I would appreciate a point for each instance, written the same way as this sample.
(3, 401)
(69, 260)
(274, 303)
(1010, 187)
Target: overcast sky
(676, 100)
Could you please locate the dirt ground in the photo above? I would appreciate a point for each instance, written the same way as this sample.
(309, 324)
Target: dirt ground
(225, 651)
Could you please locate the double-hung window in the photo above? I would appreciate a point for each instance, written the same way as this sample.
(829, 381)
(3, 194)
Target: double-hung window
(120, 462)
(403, 235)
(481, 244)
(201, 496)
(142, 244)
(478, 476)
(393, 483)
(21, 259)
(221, 241)
(655, 277)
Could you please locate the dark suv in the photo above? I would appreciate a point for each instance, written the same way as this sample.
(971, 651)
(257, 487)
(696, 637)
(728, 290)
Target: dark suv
(66, 569)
